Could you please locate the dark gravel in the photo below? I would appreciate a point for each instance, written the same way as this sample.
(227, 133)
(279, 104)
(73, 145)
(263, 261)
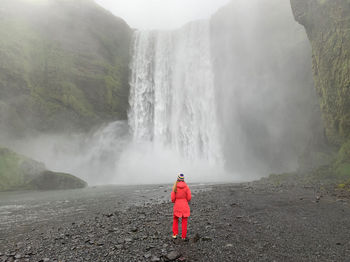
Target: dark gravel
(242, 222)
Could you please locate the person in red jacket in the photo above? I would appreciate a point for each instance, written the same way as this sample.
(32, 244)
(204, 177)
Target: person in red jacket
(180, 195)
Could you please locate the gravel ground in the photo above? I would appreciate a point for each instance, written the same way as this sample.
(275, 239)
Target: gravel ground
(234, 222)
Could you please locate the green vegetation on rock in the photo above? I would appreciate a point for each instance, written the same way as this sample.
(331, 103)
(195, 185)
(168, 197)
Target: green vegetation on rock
(327, 25)
(63, 65)
(18, 172)
(342, 163)
(333, 176)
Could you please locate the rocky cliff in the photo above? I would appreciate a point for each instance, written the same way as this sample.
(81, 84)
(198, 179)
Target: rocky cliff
(18, 172)
(327, 24)
(63, 65)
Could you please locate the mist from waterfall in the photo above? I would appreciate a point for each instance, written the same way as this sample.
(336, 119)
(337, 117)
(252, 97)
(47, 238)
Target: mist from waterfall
(235, 92)
(93, 157)
(225, 99)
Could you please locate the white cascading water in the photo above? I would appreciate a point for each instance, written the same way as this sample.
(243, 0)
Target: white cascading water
(172, 97)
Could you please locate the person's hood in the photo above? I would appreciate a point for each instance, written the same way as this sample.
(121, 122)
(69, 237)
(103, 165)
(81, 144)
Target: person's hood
(181, 185)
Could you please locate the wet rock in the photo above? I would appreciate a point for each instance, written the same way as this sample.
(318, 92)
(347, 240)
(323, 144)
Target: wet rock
(91, 242)
(118, 246)
(155, 259)
(206, 238)
(48, 180)
(172, 255)
(128, 240)
(149, 247)
(196, 238)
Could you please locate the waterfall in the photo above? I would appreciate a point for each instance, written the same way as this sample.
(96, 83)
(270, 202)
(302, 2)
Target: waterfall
(172, 118)
(172, 96)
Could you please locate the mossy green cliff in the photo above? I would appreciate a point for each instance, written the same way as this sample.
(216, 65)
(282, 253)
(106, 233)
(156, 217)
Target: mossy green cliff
(18, 172)
(327, 24)
(63, 65)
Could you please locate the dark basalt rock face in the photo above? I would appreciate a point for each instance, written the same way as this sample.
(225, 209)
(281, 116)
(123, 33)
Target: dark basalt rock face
(327, 25)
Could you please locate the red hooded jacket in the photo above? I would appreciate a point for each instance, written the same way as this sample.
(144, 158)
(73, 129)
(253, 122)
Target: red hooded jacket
(181, 199)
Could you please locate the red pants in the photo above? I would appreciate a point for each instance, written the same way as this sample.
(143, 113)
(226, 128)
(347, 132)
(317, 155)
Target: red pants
(183, 225)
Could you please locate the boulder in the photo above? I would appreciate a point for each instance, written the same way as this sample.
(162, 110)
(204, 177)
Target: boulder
(48, 180)
(18, 172)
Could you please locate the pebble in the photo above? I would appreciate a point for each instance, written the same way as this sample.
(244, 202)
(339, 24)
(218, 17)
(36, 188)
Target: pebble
(118, 246)
(127, 238)
(206, 238)
(196, 238)
(172, 255)
(155, 259)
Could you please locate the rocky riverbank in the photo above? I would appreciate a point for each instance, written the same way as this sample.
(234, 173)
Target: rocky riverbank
(234, 222)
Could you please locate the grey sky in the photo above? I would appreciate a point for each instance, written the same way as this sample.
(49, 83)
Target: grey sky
(161, 14)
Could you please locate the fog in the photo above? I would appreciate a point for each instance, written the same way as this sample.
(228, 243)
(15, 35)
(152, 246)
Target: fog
(92, 157)
(268, 107)
(110, 156)
(161, 14)
(227, 98)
